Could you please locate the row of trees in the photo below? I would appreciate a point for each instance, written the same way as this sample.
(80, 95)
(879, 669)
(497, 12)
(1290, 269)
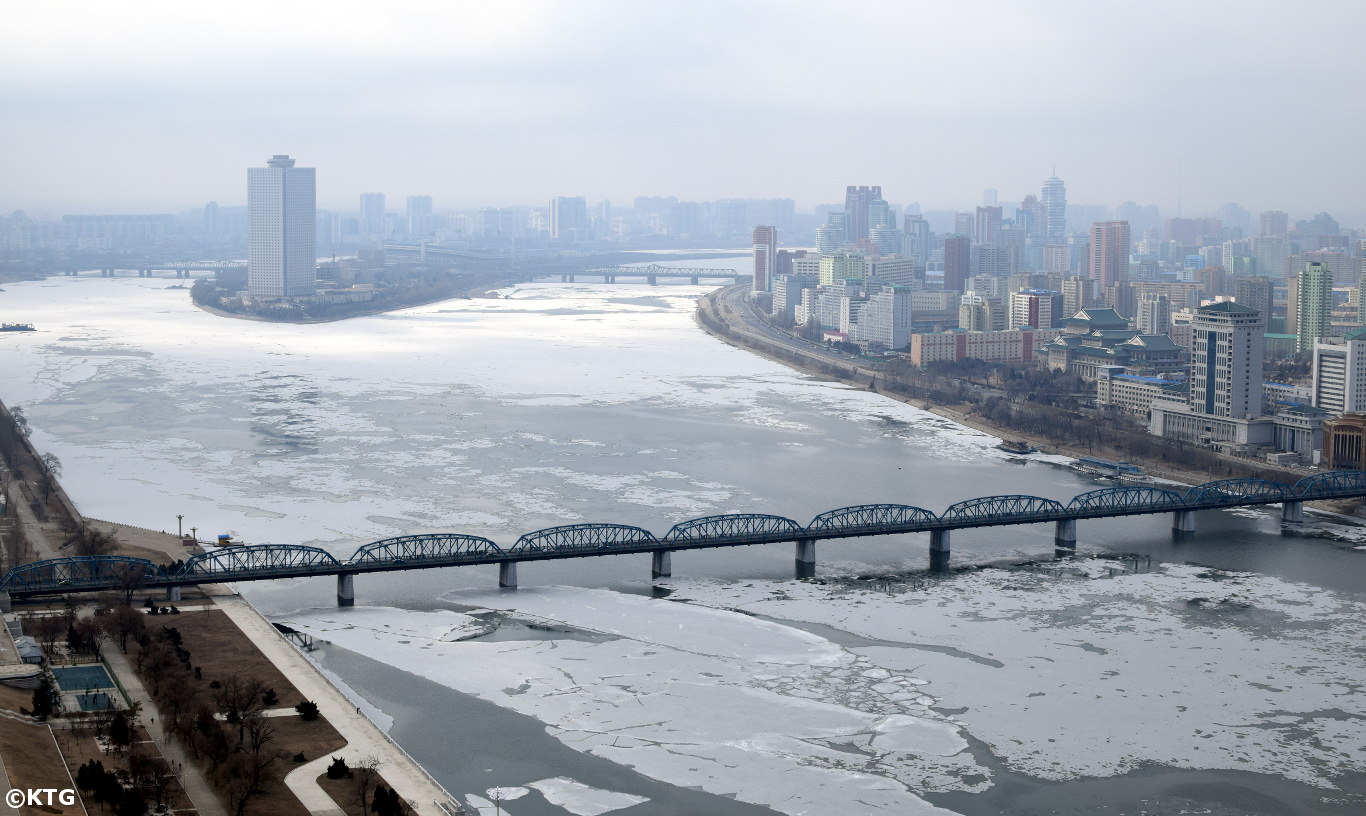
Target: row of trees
(237, 750)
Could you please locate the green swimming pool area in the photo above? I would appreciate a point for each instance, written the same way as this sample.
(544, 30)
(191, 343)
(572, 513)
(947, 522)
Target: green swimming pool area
(82, 678)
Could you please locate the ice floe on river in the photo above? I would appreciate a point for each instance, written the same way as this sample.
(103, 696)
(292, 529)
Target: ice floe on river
(1063, 670)
(690, 695)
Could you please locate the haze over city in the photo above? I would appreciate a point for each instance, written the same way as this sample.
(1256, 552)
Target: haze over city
(159, 106)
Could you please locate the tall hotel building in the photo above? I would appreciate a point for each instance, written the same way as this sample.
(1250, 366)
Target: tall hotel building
(281, 218)
(765, 257)
(1109, 253)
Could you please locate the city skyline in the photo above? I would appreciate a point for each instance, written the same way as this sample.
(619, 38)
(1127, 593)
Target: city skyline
(516, 105)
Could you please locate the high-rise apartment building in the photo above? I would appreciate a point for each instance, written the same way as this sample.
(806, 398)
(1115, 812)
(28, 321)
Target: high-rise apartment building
(1154, 313)
(419, 213)
(373, 216)
(842, 266)
(1030, 216)
(987, 228)
(916, 239)
(281, 219)
(1076, 295)
(1036, 308)
(1055, 208)
(569, 218)
(857, 201)
(1361, 280)
(1275, 224)
(957, 262)
(1312, 300)
(1109, 253)
(1254, 292)
(765, 257)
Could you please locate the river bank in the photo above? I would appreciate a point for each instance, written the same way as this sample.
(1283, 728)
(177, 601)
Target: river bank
(257, 646)
(715, 314)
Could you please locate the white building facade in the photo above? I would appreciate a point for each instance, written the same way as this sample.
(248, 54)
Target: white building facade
(281, 219)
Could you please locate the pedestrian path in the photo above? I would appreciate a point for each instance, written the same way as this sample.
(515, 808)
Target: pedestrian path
(195, 785)
(363, 737)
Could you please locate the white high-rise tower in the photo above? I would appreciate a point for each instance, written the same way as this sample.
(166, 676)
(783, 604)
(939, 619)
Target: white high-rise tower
(1055, 208)
(281, 217)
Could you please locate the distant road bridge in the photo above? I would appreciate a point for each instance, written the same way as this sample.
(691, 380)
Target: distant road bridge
(651, 273)
(271, 561)
(182, 269)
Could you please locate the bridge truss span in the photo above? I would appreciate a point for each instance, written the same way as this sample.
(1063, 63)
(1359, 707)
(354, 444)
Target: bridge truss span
(283, 559)
(80, 572)
(993, 510)
(435, 547)
(733, 528)
(873, 517)
(583, 538)
(1238, 492)
(1127, 500)
(1333, 484)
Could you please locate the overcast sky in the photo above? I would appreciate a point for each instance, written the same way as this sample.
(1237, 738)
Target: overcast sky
(160, 106)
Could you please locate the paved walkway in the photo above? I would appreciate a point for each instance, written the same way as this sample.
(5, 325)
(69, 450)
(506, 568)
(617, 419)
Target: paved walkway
(363, 737)
(196, 787)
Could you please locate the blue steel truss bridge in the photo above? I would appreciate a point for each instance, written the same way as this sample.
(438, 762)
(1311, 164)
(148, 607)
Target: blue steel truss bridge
(432, 550)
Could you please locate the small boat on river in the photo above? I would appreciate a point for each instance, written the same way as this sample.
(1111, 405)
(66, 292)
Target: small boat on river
(1017, 446)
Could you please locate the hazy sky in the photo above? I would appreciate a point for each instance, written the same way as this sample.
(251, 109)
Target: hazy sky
(160, 106)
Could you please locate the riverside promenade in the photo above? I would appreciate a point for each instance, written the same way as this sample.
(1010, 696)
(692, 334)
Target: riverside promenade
(363, 737)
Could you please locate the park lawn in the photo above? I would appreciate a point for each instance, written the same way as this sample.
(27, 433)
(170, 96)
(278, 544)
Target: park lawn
(220, 649)
(343, 792)
(293, 736)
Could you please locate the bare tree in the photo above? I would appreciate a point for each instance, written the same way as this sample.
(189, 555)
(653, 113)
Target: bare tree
(52, 468)
(122, 621)
(129, 578)
(364, 777)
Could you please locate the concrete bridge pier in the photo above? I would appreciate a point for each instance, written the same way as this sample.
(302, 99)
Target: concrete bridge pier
(661, 564)
(939, 551)
(1183, 522)
(1292, 512)
(806, 559)
(507, 574)
(694, 280)
(346, 589)
(1065, 534)
(173, 593)
(652, 280)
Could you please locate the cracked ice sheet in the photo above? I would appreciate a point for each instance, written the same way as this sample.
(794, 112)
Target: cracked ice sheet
(1098, 676)
(696, 697)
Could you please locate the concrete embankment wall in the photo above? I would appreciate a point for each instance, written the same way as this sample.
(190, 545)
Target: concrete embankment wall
(31, 462)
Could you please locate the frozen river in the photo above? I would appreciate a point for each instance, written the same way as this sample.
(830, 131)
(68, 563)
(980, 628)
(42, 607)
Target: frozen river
(1222, 674)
